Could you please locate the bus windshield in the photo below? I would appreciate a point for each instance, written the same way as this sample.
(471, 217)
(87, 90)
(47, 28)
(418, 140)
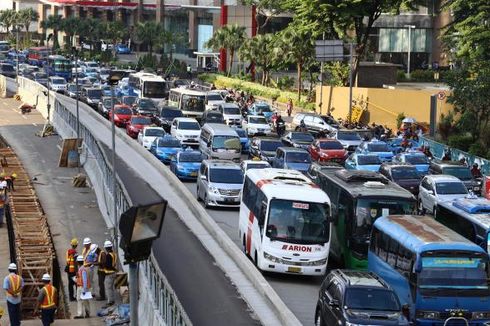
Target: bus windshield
(298, 222)
(193, 103)
(460, 172)
(226, 142)
(154, 89)
(450, 275)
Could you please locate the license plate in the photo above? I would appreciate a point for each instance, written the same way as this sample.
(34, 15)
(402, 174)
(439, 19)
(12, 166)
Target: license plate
(193, 174)
(292, 269)
(230, 200)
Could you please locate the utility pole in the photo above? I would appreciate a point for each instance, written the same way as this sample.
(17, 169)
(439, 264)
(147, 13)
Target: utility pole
(77, 107)
(114, 181)
(409, 47)
(351, 78)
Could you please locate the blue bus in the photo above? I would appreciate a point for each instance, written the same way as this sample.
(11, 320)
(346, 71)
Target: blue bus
(436, 272)
(58, 65)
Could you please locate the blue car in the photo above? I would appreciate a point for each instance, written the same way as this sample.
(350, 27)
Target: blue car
(165, 148)
(106, 90)
(292, 158)
(185, 164)
(395, 144)
(416, 158)
(261, 108)
(377, 147)
(358, 161)
(122, 49)
(244, 141)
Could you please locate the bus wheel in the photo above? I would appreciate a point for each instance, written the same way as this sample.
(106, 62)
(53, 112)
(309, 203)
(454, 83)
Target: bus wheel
(206, 202)
(434, 212)
(256, 261)
(197, 194)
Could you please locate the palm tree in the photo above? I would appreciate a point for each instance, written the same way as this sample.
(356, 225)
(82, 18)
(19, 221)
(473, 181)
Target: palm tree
(115, 31)
(8, 19)
(25, 17)
(54, 22)
(230, 38)
(261, 50)
(149, 33)
(71, 26)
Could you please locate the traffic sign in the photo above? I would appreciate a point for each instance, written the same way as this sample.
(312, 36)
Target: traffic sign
(441, 95)
(329, 50)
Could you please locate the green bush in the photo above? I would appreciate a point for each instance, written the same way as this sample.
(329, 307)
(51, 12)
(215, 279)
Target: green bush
(478, 149)
(399, 119)
(285, 83)
(462, 142)
(400, 76)
(422, 75)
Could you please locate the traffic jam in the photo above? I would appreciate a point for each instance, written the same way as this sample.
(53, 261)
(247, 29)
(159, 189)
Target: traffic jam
(397, 236)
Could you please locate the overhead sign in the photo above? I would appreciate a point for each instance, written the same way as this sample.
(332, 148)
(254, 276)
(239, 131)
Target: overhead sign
(329, 50)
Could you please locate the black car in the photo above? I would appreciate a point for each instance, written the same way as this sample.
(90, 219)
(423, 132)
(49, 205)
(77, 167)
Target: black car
(264, 148)
(459, 170)
(145, 106)
(211, 116)
(91, 96)
(357, 298)
(404, 175)
(298, 139)
(105, 105)
(7, 70)
(166, 116)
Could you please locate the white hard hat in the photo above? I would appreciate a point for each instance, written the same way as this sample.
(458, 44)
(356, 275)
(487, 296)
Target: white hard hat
(12, 267)
(107, 244)
(87, 241)
(93, 247)
(46, 277)
(79, 258)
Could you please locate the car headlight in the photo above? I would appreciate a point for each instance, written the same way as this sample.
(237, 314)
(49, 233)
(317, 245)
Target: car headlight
(271, 258)
(180, 167)
(480, 315)
(214, 190)
(476, 188)
(427, 314)
(316, 262)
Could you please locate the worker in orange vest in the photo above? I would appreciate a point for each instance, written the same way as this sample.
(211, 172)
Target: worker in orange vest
(13, 285)
(47, 301)
(71, 268)
(83, 286)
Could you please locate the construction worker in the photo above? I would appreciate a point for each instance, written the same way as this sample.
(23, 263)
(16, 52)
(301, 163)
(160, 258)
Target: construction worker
(13, 285)
(10, 181)
(86, 247)
(71, 268)
(47, 301)
(83, 286)
(91, 260)
(101, 274)
(110, 269)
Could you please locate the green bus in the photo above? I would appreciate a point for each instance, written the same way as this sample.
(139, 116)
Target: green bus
(357, 199)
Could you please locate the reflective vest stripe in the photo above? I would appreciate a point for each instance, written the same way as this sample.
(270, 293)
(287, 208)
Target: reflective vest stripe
(110, 267)
(15, 282)
(49, 295)
(80, 277)
(70, 262)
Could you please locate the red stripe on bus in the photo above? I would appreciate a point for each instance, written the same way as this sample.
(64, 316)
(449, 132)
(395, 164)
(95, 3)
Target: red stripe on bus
(261, 183)
(249, 232)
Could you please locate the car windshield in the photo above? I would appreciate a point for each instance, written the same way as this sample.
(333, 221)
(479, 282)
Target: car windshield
(302, 136)
(451, 188)
(241, 133)
(371, 299)
(189, 125)
(460, 172)
(193, 103)
(298, 157)
(169, 142)
(368, 160)
(40, 75)
(147, 105)
(107, 102)
(153, 132)
(458, 275)
(378, 147)
(258, 166)
(298, 222)
(94, 93)
(155, 89)
(405, 173)
(58, 81)
(270, 145)
(231, 110)
(257, 120)
(416, 159)
(221, 175)
(90, 70)
(129, 100)
(262, 108)
(348, 136)
(190, 157)
(214, 97)
(226, 142)
(7, 68)
(214, 117)
(331, 145)
(123, 111)
(140, 121)
(170, 113)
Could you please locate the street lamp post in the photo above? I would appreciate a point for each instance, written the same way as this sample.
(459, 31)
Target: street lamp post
(16, 30)
(77, 99)
(351, 78)
(409, 47)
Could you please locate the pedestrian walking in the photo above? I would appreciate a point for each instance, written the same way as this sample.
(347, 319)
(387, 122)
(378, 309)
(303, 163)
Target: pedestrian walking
(71, 268)
(189, 71)
(101, 275)
(47, 301)
(83, 286)
(13, 284)
(290, 107)
(110, 269)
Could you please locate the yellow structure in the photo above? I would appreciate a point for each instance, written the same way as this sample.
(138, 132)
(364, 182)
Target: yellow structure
(381, 105)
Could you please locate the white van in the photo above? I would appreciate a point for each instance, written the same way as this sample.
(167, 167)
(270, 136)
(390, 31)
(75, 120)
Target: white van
(219, 141)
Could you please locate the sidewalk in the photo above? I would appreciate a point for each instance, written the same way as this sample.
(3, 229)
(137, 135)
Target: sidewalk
(72, 212)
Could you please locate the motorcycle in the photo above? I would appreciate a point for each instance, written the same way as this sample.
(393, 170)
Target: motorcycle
(281, 128)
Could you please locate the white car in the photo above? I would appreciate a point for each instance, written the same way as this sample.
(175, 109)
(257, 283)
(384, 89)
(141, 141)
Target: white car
(253, 164)
(187, 130)
(213, 99)
(438, 188)
(256, 125)
(148, 135)
(231, 114)
(57, 84)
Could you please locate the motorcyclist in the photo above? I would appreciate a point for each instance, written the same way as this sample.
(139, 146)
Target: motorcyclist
(302, 126)
(475, 171)
(280, 125)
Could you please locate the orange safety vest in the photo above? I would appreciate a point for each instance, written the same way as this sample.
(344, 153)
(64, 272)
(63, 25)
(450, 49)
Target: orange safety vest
(110, 268)
(15, 285)
(49, 297)
(70, 262)
(80, 277)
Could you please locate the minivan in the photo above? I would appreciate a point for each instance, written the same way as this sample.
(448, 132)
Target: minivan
(219, 141)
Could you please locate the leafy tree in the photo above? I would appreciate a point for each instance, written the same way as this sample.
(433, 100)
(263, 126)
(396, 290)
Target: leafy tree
(261, 50)
(25, 17)
(115, 31)
(8, 19)
(149, 33)
(230, 38)
(54, 22)
(266, 8)
(71, 27)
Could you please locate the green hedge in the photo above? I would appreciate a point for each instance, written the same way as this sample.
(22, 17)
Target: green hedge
(257, 90)
(421, 76)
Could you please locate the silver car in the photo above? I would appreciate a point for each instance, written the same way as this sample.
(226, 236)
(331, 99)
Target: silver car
(438, 188)
(219, 183)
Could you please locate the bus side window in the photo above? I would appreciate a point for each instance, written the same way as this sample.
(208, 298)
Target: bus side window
(260, 207)
(383, 242)
(393, 252)
(466, 228)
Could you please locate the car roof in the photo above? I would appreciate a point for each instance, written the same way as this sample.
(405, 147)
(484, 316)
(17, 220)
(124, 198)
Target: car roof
(185, 119)
(442, 178)
(256, 116)
(221, 164)
(293, 149)
(230, 105)
(449, 163)
(398, 165)
(354, 278)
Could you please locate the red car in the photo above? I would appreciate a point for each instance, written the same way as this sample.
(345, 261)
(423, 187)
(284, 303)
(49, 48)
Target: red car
(122, 115)
(136, 124)
(328, 150)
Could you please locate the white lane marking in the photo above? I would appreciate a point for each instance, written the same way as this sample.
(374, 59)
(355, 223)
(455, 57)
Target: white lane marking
(34, 124)
(23, 116)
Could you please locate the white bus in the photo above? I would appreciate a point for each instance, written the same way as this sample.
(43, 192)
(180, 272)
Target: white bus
(147, 85)
(190, 101)
(285, 222)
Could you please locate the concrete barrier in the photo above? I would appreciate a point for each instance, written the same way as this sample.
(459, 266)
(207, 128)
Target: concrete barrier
(253, 287)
